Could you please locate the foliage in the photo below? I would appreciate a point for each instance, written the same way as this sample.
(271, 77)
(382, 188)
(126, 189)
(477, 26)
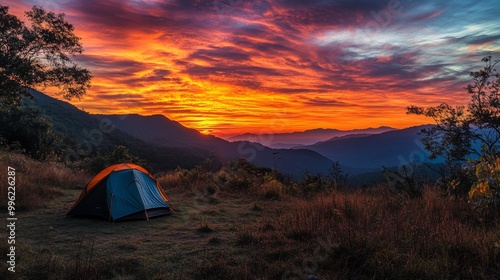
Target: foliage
(39, 55)
(37, 183)
(462, 132)
(336, 176)
(272, 188)
(349, 234)
(120, 154)
(485, 193)
(404, 180)
(310, 184)
(27, 130)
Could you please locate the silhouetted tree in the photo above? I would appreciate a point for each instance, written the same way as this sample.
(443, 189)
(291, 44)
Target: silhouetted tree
(25, 129)
(463, 131)
(336, 176)
(38, 55)
(119, 154)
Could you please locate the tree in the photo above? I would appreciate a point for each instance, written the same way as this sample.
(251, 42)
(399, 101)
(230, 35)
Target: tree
(462, 132)
(26, 129)
(336, 176)
(39, 55)
(119, 154)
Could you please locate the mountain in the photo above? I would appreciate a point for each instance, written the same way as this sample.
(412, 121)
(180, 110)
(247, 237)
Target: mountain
(91, 135)
(308, 137)
(360, 154)
(164, 143)
(161, 131)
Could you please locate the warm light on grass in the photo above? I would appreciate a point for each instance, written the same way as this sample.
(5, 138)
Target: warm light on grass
(235, 223)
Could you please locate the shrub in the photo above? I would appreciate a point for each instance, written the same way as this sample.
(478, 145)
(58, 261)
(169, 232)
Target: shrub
(272, 189)
(485, 192)
(310, 184)
(120, 154)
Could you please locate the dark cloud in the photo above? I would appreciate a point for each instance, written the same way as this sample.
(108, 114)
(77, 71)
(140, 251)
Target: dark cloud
(295, 90)
(242, 70)
(262, 47)
(95, 61)
(343, 13)
(253, 31)
(482, 39)
(118, 17)
(157, 75)
(214, 53)
(324, 102)
(111, 67)
(345, 5)
(427, 15)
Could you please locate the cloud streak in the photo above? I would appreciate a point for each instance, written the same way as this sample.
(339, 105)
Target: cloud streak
(227, 67)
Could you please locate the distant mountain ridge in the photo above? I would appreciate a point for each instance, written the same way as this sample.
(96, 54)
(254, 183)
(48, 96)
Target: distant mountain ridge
(390, 149)
(92, 135)
(166, 144)
(161, 131)
(308, 137)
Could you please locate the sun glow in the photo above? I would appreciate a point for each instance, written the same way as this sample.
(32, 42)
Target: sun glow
(278, 67)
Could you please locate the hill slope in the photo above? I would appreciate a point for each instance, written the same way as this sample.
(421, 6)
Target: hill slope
(308, 137)
(92, 135)
(161, 131)
(164, 143)
(388, 149)
(158, 129)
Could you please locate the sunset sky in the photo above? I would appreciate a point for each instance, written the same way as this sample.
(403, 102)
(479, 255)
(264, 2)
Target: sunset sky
(231, 66)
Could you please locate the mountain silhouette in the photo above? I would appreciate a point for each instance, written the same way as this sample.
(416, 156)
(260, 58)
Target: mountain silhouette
(161, 131)
(360, 153)
(303, 138)
(167, 144)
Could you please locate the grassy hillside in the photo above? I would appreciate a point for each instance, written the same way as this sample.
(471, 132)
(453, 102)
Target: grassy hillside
(92, 134)
(241, 223)
(163, 143)
(161, 131)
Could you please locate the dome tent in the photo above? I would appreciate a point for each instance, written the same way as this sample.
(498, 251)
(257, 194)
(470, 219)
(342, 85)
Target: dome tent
(122, 192)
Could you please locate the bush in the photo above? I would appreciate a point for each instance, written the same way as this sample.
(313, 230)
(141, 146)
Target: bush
(272, 189)
(485, 192)
(27, 130)
(310, 184)
(120, 154)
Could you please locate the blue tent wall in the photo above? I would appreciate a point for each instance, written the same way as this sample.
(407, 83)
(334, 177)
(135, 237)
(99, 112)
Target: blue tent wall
(122, 192)
(131, 191)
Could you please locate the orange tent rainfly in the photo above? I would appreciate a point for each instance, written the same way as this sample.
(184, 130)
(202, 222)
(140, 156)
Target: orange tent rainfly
(122, 192)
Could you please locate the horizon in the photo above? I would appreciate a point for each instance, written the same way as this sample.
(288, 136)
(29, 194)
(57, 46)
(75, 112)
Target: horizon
(231, 67)
(228, 136)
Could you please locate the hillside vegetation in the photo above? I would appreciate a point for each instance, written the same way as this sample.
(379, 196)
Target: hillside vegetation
(244, 222)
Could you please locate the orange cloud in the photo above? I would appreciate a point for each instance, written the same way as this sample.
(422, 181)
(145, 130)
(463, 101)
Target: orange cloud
(272, 66)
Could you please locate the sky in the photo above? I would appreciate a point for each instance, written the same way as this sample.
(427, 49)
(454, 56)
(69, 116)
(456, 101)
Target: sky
(227, 67)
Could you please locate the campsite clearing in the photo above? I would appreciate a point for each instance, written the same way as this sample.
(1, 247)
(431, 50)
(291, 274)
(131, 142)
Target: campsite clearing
(204, 232)
(228, 226)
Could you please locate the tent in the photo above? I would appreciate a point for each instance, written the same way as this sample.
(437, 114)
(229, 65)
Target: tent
(122, 192)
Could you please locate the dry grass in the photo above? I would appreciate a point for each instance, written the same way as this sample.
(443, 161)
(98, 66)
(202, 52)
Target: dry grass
(375, 234)
(37, 183)
(227, 227)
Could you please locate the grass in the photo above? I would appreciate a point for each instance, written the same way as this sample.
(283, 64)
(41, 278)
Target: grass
(37, 183)
(220, 231)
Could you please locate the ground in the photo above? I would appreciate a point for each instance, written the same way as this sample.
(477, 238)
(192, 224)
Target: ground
(227, 225)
